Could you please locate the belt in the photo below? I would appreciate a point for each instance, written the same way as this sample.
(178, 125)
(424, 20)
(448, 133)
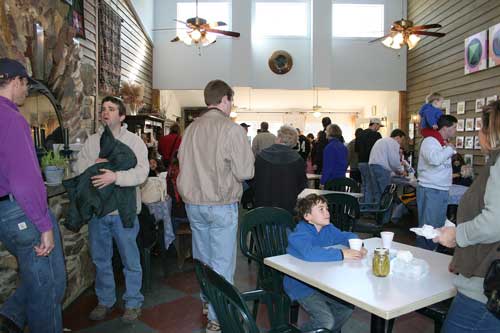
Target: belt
(5, 197)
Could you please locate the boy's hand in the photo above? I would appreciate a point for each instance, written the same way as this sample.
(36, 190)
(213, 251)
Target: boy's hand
(353, 254)
(435, 127)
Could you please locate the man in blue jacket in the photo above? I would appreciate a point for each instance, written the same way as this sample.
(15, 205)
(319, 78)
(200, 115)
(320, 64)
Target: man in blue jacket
(308, 242)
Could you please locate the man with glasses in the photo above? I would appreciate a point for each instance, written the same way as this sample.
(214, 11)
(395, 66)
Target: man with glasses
(27, 227)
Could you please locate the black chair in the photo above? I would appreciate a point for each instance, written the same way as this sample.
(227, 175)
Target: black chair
(344, 210)
(230, 305)
(437, 312)
(376, 212)
(343, 185)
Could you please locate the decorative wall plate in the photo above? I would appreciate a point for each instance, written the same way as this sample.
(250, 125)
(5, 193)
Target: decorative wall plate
(280, 62)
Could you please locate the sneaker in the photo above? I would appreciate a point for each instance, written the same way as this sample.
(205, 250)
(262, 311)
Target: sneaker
(213, 327)
(131, 314)
(205, 308)
(99, 312)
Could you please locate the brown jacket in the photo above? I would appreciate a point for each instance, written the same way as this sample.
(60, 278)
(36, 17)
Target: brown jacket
(214, 159)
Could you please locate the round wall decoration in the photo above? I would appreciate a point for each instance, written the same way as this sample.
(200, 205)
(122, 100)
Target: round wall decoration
(280, 62)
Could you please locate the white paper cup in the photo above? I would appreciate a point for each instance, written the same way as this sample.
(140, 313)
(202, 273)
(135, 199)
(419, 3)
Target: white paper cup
(355, 244)
(387, 237)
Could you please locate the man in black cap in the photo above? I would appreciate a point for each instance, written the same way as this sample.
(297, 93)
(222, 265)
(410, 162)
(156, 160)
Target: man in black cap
(245, 126)
(28, 229)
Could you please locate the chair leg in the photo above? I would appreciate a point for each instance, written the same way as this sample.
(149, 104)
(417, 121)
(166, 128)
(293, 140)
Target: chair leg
(294, 312)
(438, 324)
(250, 247)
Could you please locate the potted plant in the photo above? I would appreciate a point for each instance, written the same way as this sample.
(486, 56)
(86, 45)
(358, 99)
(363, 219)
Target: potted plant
(53, 165)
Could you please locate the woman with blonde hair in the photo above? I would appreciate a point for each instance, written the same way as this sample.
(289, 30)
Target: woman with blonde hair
(477, 238)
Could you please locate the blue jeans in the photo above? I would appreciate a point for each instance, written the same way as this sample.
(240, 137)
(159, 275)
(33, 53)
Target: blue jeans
(324, 312)
(38, 297)
(367, 184)
(432, 205)
(468, 315)
(102, 231)
(214, 239)
(381, 178)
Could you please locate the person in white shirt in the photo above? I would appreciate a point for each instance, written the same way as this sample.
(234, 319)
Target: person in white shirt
(435, 178)
(385, 159)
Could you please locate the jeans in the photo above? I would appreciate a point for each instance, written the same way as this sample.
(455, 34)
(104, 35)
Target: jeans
(39, 294)
(432, 205)
(367, 185)
(381, 178)
(214, 231)
(468, 315)
(102, 231)
(324, 312)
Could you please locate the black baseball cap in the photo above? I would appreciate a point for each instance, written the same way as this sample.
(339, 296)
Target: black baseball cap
(10, 68)
(244, 125)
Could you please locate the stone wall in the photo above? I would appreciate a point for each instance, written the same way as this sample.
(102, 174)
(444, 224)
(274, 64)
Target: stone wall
(73, 84)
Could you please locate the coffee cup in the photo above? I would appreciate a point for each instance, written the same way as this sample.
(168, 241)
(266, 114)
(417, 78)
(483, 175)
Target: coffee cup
(387, 237)
(355, 244)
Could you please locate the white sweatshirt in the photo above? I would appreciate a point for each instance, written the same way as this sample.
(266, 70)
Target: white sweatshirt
(434, 165)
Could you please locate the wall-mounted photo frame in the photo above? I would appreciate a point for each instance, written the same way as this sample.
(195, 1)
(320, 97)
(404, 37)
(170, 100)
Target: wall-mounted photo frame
(478, 123)
(476, 142)
(469, 124)
(469, 142)
(460, 125)
(446, 106)
(459, 142)
(475, 52)
(469, 159)
(461, 107)
(491, 99)
(411, 130)
(479, 104)
(494, 46)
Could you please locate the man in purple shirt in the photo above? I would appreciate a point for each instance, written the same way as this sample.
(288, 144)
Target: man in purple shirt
(27, 227)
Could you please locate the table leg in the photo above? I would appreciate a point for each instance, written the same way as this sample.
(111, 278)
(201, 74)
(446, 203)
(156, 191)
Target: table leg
(380, 325)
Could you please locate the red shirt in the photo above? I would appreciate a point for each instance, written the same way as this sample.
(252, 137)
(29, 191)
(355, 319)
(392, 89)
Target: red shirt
(168, 144)
(433, 133)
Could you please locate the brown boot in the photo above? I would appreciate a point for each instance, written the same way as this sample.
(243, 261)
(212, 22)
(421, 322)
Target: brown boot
(100, 312)
(131, 315)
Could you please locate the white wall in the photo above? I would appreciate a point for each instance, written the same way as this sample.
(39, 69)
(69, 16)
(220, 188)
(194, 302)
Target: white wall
(145, 10)
(318, 61)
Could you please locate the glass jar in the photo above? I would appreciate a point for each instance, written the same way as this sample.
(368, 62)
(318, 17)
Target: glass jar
(381, 262)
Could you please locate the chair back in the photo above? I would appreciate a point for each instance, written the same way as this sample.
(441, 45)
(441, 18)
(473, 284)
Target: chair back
(387, 197)
(343, 185)
(230, 308)
(344, 210)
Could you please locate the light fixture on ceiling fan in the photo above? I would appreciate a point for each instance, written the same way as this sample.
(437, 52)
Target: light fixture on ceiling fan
(316, 108)
(201, 33)
(404, 32)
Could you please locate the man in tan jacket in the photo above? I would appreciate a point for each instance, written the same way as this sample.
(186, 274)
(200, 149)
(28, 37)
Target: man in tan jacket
(214, 159)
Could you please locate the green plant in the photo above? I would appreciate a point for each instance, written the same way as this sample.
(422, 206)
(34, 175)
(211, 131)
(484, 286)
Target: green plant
(53, 159)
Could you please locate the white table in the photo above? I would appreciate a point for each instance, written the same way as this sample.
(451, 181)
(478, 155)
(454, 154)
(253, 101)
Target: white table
(308, 191)
(385, 298)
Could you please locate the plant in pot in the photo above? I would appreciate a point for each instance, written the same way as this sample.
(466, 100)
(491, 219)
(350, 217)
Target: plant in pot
(53, 165)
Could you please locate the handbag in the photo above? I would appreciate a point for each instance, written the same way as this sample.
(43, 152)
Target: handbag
(154, 189)
(491, 287)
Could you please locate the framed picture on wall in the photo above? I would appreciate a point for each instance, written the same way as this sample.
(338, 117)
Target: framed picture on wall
(468, 159)
(494, 46)
(411, 130)
(446, 106)
(469, 124)
(461, 107)
(479, 123)
(469, 142)
(459, 142)
(460, 125)
(491, 99)
(475, 53)
(476, 142)
(479, 104)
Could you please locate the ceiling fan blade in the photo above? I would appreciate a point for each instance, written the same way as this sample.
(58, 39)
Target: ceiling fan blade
(429, 33)
(176, 39)
(212, 25)
(224, 32)
(380, 38)
(180, 21)
(163, 29)
(426, 26)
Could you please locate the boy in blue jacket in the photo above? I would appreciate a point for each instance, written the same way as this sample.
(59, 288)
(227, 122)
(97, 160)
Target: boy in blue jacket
(307, 242)
(429, 115)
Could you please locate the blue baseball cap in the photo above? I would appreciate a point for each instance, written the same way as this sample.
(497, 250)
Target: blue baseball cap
(10, 68)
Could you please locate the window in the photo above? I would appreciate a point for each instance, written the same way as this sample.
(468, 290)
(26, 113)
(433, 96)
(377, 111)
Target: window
(281, 19)
(210, 11)
(357, 20)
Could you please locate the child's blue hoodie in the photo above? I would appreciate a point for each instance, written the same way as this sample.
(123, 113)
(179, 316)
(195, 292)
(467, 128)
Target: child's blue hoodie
(429, 115)
(306, 243)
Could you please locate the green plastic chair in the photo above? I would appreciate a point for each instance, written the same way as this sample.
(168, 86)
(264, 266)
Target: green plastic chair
(230, 305)
(343, 185)
(267, 228)
(344, 210)
(378, 211)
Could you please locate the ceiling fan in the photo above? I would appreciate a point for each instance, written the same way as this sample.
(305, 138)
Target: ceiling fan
(404, 32)
(199, 32)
